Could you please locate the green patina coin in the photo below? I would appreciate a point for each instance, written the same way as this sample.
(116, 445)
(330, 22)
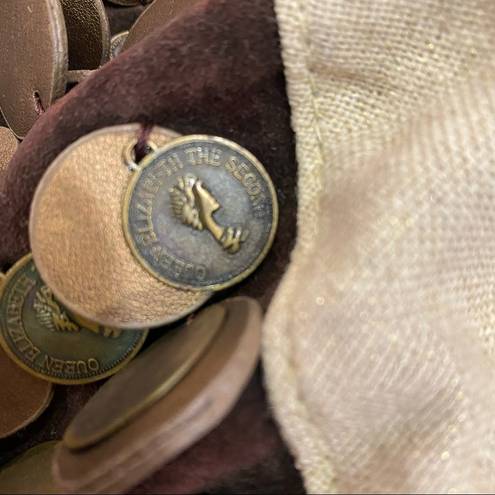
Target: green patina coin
(200, 213)
(49, 341)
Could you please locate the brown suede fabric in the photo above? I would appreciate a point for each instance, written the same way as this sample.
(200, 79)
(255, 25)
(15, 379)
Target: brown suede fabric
(216, 69)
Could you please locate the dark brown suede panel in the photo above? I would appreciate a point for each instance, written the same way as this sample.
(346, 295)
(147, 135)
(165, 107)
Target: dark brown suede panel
(216, 69)
(240, 456)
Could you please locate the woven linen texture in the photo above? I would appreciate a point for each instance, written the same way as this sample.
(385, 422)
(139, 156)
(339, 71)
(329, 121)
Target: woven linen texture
(379, 346)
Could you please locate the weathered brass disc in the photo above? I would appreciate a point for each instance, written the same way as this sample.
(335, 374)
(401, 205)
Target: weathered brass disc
(30, 473)
(117, 43)
(189, 411)
(200, 213)
(159, 13)
(50, 342)
(78, 240)
(34, 60)
(22, 397)
(8, 146)
(145, 381)
(88, 33)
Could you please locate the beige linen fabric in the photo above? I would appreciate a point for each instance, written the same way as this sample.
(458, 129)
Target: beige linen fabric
(379, 346)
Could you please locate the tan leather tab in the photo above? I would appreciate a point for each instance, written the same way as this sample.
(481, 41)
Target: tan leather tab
(22, 397)
(34, 60)
(8, 146)
(192, 409)
(88, 33)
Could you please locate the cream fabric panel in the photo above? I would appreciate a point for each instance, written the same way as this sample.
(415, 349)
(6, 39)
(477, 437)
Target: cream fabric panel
(379, 345)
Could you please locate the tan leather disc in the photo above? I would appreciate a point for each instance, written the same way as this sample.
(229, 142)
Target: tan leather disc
(188, 412)
(30, 473)
(8, 146)
(159, 13)
(78, 241)
(33, 42)
(88, 33)
(22, 396)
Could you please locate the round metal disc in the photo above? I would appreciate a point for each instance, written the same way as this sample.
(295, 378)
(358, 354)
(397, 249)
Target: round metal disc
(200, 213)
(22, 397)
(8, 146)
(50, 342)
(159, 13)
(145, 381)
(88, 33)
(31, 472)
(117, 43)
(196, 405)
(34, 60)
(78, 241)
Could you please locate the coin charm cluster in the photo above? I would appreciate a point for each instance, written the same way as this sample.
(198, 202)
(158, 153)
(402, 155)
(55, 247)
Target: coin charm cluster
(121, 244)
(198, 214)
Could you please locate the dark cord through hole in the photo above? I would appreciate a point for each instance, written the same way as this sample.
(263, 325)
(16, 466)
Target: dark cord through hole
(142, 147)
(38, 105)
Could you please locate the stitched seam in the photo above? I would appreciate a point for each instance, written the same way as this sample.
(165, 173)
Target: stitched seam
(305, 234)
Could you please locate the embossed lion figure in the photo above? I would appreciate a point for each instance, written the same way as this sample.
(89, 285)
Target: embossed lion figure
(194, 206)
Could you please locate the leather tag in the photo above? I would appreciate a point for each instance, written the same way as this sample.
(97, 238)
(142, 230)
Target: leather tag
(34, 60)
(22, 396)
(88, 33)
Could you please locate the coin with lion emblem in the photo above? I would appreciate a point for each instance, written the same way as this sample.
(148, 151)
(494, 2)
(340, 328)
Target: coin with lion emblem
(200, 213)
(49, 341)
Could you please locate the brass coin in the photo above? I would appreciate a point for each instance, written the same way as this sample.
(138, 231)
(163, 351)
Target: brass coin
(117, 43)
(195, 406)
(200, 213)
(134, 389)
(31, 472)
(34, 60)
(78, 241)
(8, 146)
(88, 33)
(22, 397)
(52, 343)
(159, 13)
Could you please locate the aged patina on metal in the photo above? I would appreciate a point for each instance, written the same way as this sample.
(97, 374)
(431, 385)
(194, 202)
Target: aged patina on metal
(117, 42)
(48, 341)
(200, 213)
